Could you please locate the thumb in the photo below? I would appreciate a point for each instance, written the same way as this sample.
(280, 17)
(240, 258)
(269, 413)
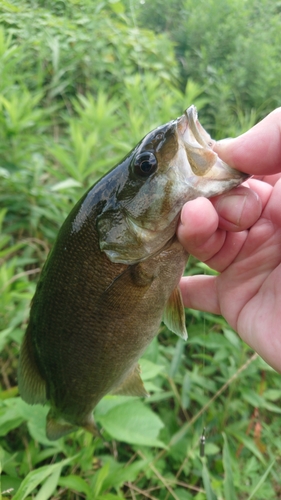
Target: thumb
(258, 151)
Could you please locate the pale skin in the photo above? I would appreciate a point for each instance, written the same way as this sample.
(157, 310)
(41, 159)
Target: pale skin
(239, 235)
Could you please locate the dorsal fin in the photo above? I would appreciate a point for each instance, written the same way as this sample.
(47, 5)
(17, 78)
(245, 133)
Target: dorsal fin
(132, 385)
(32, 387)
(174, 315)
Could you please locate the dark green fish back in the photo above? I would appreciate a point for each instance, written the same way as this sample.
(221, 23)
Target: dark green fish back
(91, 319)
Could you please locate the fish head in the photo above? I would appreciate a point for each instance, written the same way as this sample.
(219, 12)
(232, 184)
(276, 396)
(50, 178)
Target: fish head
(171, 165)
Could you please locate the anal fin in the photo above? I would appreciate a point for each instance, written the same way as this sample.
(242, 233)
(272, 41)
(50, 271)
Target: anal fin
(57, 427)
(132, 385)
(174, 315)
(32, 387)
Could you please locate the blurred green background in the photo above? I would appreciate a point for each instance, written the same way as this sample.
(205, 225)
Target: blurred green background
(81, 82)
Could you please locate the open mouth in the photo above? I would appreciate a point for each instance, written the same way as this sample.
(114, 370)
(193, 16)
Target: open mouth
(198, 144)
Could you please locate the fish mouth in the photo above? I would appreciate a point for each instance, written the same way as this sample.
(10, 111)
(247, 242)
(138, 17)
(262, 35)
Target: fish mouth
(198, 144)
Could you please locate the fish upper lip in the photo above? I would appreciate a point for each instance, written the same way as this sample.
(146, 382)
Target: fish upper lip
(194, 124)
(189, 125)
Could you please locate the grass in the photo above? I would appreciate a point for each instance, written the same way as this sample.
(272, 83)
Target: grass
(74, 98)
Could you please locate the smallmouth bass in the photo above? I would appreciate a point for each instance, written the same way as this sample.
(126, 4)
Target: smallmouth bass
(113, 274)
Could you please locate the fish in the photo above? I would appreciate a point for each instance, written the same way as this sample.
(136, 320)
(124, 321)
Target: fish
(113, 274)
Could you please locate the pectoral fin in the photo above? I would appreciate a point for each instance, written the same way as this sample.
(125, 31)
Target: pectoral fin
(132, 385)
(174, 315)
(32, 387)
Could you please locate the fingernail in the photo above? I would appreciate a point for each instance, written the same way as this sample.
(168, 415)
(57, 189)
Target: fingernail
(224, 142)
(231, 207)
(221, 148)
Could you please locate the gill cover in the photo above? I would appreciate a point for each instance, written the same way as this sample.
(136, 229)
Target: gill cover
(131, 223)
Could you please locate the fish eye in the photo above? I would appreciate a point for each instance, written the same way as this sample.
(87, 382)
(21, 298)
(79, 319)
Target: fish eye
(145, 164)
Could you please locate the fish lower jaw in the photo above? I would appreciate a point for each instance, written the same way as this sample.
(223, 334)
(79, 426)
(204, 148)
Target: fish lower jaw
(207, 187)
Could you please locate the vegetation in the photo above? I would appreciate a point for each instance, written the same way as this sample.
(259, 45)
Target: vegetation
(81, 82)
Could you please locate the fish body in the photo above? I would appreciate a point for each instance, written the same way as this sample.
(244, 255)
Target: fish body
(113, 274)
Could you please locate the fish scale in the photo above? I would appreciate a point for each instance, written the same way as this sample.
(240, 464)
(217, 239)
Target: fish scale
(113, 274)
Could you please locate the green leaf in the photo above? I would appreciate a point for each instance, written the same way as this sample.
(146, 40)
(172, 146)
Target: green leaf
(149, 370)
(120, 473)
(99, 479)
(35, 477)
(117, 6)
(109, 402)
(35, 415)
(249, 443)
(177, 358)
(49, 486)
(133, 423)
(76, 483)
(10, 417)
(4, 335)
(253, 398)
(109, 496)
(228, 478)
(9, 393)
(186, 391)
(207, 483)
(211, 449)
(66, 184)
(261, 481)
(8, 482)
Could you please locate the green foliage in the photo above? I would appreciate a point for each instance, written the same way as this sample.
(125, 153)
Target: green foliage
(81, 82)
(232, 48)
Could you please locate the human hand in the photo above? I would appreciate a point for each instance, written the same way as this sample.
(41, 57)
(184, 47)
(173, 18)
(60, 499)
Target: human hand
(239, 235)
